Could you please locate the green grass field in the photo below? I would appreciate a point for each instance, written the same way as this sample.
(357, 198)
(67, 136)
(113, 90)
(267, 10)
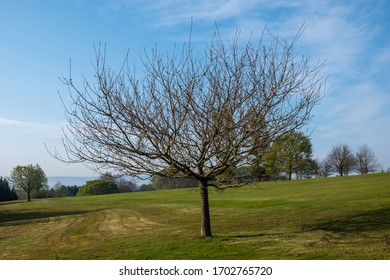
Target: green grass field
(333, 218)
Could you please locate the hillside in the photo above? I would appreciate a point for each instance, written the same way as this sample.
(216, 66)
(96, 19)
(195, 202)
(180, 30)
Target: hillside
(332, 218)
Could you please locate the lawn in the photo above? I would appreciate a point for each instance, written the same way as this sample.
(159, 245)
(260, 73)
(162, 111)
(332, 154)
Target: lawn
(332, 218)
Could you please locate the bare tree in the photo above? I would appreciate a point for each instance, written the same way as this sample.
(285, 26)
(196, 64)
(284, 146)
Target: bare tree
(193, 115)
(124, 184)
(367, 162)
(324, 167)
(342, 159)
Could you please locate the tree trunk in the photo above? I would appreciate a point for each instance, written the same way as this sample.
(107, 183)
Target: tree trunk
(204, 196)
(28, 196)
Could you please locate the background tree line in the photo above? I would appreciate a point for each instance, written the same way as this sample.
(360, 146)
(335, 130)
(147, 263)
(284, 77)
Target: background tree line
(30, 181)
(292, 153)
(342, 161)
(290, 156)
(105, 184)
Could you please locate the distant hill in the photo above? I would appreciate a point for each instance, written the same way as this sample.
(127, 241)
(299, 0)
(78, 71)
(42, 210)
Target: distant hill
(68, 180)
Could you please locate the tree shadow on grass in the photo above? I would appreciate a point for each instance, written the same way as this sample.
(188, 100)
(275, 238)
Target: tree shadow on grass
(378, 219)
(10, 218)
(10, 202)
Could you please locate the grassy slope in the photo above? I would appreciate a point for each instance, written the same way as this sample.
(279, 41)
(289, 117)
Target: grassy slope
(333, 218)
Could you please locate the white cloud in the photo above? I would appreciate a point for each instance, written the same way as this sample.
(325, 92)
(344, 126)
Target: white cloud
(348, 34)
(12, 126)
(176, 11)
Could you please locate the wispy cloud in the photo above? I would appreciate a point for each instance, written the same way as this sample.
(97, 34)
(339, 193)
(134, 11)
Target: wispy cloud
(12, 126)
(172, 12)
(350, 35)
(346, 35)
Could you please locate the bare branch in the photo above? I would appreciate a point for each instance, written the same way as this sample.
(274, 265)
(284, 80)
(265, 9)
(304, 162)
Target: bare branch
(196, 115)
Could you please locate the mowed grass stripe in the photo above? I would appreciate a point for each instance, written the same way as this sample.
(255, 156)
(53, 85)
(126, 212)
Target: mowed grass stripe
(332, 218)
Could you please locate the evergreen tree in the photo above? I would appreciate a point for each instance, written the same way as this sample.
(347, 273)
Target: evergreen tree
(6, 193)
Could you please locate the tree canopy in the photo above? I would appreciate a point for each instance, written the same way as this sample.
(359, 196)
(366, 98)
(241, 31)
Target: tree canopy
(291, 153)
(342, 160)
(366, 160)
(195, 114)
(28, 178)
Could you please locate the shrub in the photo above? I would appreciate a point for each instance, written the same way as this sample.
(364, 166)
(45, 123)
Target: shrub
(96, 187)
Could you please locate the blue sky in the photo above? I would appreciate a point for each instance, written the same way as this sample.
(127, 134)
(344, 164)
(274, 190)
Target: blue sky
(39, 37)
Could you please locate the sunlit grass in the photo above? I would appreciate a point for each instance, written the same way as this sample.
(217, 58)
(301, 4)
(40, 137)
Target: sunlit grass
(333, 218)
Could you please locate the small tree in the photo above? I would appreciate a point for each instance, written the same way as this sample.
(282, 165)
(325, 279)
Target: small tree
(324, 167)
(124, 185)
(342, 160)
(366, 160)
(28, 178)
(107, 176)
(192, 115)
(291, 153)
